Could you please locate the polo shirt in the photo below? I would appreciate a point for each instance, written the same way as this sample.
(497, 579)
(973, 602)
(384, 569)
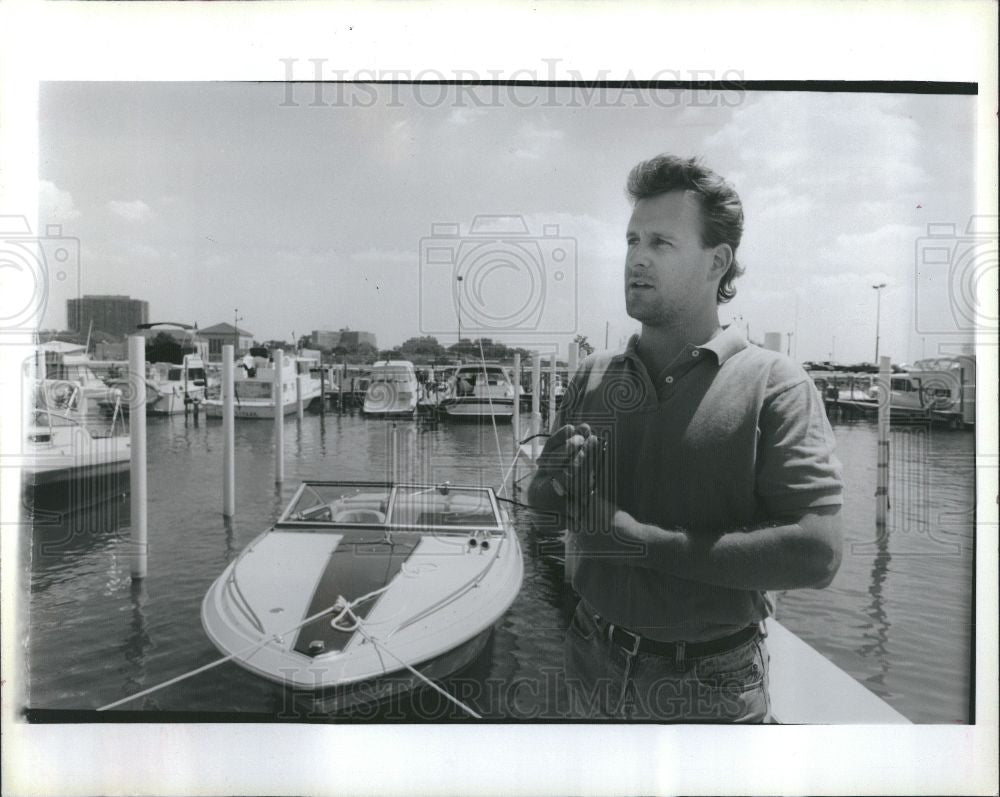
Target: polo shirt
(728, 436)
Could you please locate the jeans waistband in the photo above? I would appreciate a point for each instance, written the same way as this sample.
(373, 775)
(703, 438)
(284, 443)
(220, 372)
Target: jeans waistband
(678, 651)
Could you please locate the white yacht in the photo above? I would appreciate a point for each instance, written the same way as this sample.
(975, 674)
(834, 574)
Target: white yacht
(254, 389)
(393, 389)
(177, 386)
(479, 391)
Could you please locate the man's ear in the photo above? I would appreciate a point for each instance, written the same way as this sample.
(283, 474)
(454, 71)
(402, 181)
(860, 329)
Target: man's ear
(722, 259)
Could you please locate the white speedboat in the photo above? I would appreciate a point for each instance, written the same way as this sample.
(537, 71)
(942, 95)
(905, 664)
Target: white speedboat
(358, 585)
(177, 386)
(68, 381)
(254, 396)
(59, 448)
(478, 391)
(392, 390)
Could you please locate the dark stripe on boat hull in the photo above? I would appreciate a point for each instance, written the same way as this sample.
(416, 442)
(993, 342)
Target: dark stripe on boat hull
(355, 568)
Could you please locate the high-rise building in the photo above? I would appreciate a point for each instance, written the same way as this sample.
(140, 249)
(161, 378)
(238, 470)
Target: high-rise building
(116, 315)
(347, 338)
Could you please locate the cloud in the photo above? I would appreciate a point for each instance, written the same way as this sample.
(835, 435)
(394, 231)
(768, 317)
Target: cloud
(133, 210)
(459, 117)
(55, 204)
(534, 140)
(857, 144)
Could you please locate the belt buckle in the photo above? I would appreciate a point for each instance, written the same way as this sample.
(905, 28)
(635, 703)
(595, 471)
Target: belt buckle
(636, 639)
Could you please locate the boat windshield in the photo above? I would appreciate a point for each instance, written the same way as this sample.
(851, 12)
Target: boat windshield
(411, 505)
(444, 505)
(399, 375)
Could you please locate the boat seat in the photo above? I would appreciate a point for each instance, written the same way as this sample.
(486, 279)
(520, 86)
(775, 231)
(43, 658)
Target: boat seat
(359, 516)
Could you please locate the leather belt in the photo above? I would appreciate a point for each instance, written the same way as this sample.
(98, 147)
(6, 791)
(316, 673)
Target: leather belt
(679, 651)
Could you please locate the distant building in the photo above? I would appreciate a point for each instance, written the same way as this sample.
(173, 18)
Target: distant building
(772, 341)
(116, 315)
(345, 338)
(220, 334)
(324, 339)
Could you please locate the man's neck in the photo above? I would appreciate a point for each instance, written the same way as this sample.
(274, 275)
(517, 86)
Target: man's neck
(660, 345)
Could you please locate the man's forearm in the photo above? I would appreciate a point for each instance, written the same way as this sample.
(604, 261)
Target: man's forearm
(805, 553)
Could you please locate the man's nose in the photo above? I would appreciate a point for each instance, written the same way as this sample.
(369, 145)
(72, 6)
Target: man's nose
(636, 258)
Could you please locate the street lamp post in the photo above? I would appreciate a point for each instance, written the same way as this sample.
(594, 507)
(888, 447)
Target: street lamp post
(459, 280)
(878, 314)
(236, 331)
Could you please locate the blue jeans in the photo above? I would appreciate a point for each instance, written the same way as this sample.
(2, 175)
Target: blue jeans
(606, 681)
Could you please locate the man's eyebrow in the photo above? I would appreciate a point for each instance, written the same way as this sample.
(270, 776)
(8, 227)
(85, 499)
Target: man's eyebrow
(658, 233)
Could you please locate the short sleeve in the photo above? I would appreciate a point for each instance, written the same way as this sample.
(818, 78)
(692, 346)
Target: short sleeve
(797, 468)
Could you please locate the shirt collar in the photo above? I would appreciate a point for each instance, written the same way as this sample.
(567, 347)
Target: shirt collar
(728, 342)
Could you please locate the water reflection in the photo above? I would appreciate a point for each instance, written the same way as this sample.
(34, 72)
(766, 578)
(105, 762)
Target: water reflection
(92, 520)
(229, 551)
(135, 645)
(877, 634)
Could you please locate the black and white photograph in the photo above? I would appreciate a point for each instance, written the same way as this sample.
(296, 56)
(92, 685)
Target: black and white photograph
(394, 403)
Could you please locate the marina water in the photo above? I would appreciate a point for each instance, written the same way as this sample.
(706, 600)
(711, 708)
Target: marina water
(898, 616)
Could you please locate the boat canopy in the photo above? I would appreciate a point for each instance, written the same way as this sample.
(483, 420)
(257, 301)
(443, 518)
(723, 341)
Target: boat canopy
(362, 503)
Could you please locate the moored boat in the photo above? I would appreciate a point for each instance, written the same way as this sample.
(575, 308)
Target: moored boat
(479, 391)
(254, 395)
(177, 386)
(393, 389)
(59, 448)
(358, 587)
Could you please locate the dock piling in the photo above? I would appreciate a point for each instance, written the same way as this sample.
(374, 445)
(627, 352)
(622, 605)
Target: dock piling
(322, 389)
(228, 434)
(552, 394)
(884, 402)
(279, 419)
(298, 396)
(515, 419)
(536, 405)
(137, 467)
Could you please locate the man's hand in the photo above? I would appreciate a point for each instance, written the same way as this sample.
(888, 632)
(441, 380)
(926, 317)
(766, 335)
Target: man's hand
(568, 470)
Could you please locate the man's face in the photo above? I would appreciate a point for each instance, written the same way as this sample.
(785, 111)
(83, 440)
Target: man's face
(668, 274)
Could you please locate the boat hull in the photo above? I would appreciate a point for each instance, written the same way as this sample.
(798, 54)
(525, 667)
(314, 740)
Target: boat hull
(475, 407)
(423, 592)
(254, 409)
(382, 689)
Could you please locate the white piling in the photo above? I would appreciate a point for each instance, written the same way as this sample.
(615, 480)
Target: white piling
(574, 357)
(882, 488)
(279, 419)
(515, 419)
(552, 393)
(536, 403)
(228, 433)
(137, 423)
(298, 395)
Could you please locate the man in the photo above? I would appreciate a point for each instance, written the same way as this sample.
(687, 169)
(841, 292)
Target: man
(695, 472)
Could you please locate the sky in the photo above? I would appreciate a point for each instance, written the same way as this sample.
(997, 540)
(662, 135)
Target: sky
(305, 207)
